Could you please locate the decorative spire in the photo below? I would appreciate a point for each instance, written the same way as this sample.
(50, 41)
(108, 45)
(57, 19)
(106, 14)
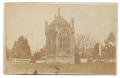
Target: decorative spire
(46, 24)
(54, 15)
(72, 20)
(58, 10)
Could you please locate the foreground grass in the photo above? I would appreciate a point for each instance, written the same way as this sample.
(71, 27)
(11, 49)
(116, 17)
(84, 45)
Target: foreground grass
(94, 68)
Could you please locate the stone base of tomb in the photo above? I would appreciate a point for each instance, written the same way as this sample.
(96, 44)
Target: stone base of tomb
(60, 59)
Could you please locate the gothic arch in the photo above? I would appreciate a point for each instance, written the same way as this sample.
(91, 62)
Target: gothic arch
(64, 41)
(64, 33)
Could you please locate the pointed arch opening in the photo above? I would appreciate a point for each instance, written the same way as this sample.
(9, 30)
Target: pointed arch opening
(64, 42)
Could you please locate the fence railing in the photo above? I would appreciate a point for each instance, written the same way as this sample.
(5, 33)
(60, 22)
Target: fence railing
(21, 60)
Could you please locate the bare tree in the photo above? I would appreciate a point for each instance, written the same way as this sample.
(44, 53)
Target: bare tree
(78, 42)
(83, 42)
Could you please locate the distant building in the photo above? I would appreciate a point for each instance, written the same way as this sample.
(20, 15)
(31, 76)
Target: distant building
(60, 40)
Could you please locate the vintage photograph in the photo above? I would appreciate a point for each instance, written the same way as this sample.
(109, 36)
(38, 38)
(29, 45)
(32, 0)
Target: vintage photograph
(60, 38)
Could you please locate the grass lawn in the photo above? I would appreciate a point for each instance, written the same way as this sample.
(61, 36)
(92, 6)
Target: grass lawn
(94, 68)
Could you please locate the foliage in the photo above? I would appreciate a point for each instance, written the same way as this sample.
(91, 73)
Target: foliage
(7, 53)
(82, 43)
(32, 59)
(21, 48)
(39, 54)
(110, 47)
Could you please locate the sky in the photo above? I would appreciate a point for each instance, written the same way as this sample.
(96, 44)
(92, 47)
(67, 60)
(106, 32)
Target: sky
(28, 19)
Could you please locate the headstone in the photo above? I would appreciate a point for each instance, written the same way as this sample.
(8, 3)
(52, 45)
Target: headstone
(100, 49)
(83, 60)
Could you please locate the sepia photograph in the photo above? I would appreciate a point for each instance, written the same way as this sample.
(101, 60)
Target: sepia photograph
(60, 38)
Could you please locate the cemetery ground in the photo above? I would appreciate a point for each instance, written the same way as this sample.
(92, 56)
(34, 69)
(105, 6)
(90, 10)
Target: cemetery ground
(43, 68)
